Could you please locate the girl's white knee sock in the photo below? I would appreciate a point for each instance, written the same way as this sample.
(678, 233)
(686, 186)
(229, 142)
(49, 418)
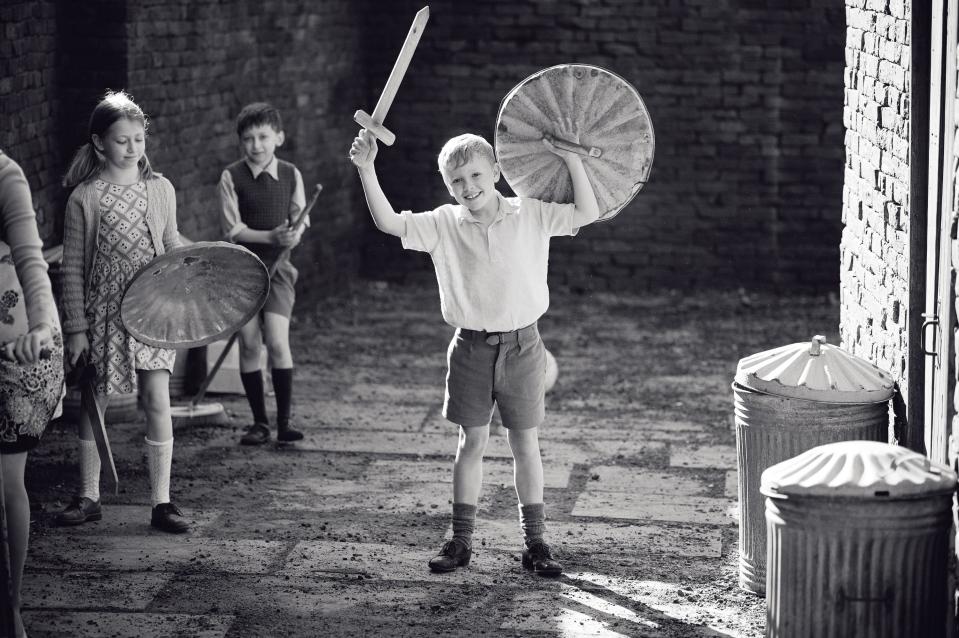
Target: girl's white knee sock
(159, 462)
(89, 470)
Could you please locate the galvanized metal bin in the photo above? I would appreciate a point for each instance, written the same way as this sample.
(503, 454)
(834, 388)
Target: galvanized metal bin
(788, 400)
(858, 543)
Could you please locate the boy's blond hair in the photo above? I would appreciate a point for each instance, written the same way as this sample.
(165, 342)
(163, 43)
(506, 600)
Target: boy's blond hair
(460, 150)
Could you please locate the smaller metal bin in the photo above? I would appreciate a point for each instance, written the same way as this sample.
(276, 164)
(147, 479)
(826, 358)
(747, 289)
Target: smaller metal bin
(858, 543)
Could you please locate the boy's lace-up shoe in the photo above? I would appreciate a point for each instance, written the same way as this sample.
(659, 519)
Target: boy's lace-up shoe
(539, 559)
(167, 517)
(455, 553)
(286, 434)
(81, 510)
(256, 434)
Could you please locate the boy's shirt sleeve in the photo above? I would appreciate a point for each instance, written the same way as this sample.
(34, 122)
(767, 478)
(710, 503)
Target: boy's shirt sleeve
(230, 222)
(556, 219)
(298, 203)
(422, 230)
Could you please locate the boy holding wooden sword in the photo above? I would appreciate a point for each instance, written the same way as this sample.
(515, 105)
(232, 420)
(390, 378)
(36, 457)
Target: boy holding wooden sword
(490, 254)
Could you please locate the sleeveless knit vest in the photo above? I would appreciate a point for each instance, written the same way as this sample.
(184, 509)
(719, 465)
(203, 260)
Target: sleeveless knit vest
(264, 202)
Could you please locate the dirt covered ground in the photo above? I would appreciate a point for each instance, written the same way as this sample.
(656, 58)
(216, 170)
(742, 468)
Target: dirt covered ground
(330, 537)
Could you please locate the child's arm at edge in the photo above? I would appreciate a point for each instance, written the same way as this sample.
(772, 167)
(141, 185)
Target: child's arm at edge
(363, 154)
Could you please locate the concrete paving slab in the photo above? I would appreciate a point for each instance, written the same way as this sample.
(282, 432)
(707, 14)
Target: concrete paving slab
(431, 394)
(719, 456)
(100, 624)
(676, 601)
(655, 507)
(575, 425)
(732, 484)
(367, 415)
(80, 590)
(330, 495)
(495, 472)
(616, 478)
(601, 538)
(572, 612)
(167, 553)
(135, 519)
(392, 563)
(630, 447)
(414, 443)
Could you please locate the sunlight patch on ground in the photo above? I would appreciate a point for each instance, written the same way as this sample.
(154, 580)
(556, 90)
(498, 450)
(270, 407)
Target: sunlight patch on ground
(606, 607)
(670, 599)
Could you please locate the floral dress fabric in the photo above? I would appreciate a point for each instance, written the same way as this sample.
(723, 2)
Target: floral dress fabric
(125, 246)
(29, 393)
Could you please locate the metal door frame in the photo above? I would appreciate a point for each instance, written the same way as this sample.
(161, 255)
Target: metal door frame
(936, 333)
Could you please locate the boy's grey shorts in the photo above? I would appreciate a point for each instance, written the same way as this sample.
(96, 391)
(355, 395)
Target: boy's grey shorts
(282, 290)
(505, 368)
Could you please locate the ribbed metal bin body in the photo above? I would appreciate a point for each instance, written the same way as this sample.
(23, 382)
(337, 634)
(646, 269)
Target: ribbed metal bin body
(770, 429)
(848, 568)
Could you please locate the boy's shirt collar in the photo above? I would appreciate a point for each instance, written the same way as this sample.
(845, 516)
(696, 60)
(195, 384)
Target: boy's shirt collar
(506, 207)
(270, 169)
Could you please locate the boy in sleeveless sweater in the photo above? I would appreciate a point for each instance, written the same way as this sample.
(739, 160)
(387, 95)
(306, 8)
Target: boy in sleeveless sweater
(260, 196)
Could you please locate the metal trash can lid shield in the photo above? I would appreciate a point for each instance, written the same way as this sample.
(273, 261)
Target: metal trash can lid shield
(863, 469)
(816, 371)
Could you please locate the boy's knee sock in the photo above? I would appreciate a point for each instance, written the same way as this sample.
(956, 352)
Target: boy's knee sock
(532, 518)
(464, 519)
(89, 470)
(159, 462)
(283, 388)
(253, 386)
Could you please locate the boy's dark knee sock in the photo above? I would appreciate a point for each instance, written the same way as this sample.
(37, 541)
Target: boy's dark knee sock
(253, 386)
(283, 389)
(464, 519)
(532, 518)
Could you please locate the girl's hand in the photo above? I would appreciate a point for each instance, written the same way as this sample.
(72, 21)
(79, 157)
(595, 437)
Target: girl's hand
(363, 151)
(26, 348)
(76, 345)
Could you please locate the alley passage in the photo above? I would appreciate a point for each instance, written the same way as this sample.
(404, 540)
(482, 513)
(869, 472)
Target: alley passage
(330, 537)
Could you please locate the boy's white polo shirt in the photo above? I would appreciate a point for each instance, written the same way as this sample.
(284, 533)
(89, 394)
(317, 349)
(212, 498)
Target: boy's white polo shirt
(493, 279)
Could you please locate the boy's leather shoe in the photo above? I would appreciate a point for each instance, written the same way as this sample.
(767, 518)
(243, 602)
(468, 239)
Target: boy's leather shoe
(455, 553)
(81, 510)
(538, 558)
(256, 434)
(168, 518)
(286, 434)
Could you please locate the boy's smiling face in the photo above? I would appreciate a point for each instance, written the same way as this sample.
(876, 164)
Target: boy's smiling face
(473, 184)
(260, 143)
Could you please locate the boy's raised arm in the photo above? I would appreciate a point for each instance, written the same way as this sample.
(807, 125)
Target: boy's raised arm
(363, 154)
(587, 209)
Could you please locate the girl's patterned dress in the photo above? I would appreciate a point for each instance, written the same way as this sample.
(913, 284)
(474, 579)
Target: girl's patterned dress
(124, 247)
(29, 393)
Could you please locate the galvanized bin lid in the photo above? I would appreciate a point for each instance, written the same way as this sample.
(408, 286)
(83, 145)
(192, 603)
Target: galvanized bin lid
(816, 371)
(859, 469)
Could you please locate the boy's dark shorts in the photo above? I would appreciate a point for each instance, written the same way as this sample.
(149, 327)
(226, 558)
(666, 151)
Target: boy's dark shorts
(282, 294)
(505, 368)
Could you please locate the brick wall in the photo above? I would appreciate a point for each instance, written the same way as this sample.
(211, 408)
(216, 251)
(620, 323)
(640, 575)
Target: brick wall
(29, 101)
(193, 65)
(745, 98)
(874, 272)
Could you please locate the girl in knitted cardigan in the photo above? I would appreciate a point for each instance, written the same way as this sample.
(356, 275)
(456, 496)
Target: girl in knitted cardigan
(119, 216)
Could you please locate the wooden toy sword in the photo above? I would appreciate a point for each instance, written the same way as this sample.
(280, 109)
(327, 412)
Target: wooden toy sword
(374, 123)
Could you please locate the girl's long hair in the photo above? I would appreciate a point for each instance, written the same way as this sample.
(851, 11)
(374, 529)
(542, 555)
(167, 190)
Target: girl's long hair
(87, 162)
